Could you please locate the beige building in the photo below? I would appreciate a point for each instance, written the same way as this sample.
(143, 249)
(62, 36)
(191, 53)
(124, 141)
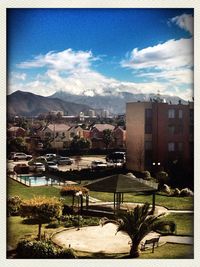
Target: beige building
(58, 135)
(135, 134)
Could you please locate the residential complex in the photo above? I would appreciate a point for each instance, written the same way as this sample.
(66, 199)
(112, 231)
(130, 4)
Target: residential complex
(159, 134)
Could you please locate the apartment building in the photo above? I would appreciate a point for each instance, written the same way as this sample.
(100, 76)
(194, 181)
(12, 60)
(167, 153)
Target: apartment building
(159, 134)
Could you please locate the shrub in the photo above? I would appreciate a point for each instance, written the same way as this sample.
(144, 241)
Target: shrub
(36, 249)
(53, 225)
(162, 177)
(67, 210)
(13, 205)
(186, 192)
(27, 249)
(166, 189)
(176, 192)
(130, 175)
(67, 254)
(146, 175)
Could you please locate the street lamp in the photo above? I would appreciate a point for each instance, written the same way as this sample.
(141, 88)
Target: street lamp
(79, 194)
(156, 166)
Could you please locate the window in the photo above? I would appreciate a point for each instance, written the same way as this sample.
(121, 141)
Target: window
(171, 113)
(179, 129)
(171, 129)
(171, 147)
(180, 114)
(180, 146)
(148, 145)
(148, 113)
(148, 128)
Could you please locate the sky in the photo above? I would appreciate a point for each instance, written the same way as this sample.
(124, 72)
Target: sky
(100, 51)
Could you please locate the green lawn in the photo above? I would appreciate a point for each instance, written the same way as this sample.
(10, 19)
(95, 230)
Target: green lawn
(184, 223)
(183, 203)
(186, 203)
(167, 251)
(18, 230)
(170, 251)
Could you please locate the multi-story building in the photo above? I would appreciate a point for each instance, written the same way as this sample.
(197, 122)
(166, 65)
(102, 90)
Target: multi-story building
(159, 134)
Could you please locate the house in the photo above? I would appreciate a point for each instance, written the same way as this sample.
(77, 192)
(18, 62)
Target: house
(15, 131)
(119, 135)
(75, 131)
(57, 134)
(159, 134)
(96, 135)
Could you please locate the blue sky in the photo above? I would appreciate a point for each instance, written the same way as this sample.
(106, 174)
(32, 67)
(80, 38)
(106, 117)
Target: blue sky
(95, 51)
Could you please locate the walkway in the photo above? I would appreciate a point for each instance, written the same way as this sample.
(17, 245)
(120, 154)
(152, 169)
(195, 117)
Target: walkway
(96, 239)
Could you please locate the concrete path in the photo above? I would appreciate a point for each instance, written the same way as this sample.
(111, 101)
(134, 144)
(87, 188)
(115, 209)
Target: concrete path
(105, 240)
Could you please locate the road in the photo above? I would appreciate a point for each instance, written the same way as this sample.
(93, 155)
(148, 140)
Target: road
(79, 163)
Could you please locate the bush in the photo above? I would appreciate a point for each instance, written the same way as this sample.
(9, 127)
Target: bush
(36, 250)
(146, 175)
(53, 225)
(166, 189)
(130, 174)
(13, 205)
(67, 210)
(186, 192)
(27, 249)
(176, 192)
(162, 178)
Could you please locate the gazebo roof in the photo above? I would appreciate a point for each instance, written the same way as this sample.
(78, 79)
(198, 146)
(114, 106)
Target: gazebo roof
(121, 183)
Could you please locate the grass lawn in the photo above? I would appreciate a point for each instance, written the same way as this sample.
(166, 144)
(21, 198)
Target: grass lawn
(18, 230)
(184, 223)
(183, 203)
(170, 251)
(186, 203)
(167, 251)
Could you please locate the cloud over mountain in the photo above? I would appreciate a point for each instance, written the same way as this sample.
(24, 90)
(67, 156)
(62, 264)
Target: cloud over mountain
(166, 66)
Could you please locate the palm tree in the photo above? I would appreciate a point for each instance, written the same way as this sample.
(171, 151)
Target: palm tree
(138, 223)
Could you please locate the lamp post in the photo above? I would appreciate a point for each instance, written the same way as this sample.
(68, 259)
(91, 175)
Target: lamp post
(156, 166)
(79, 194)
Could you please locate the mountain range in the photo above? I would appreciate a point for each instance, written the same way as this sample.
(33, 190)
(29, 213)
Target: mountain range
(29, 104)
(114, 103)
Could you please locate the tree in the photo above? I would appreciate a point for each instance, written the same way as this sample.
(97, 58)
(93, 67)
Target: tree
(71, 190)
(41, 209)
(79, 144)
(138, 223)
(107, 137)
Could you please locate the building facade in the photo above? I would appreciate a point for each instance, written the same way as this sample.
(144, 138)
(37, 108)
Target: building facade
(159, 134)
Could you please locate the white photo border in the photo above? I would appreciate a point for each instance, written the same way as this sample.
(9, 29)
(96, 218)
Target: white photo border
(4, 5)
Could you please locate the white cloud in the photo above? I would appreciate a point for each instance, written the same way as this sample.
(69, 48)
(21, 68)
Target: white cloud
(185, 22)
(18, 76)
(72, 72)
(67, 60)
(169, 55)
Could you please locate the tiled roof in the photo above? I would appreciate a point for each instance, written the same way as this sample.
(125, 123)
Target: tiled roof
(102, 127)
(15, 128)
(58, 127)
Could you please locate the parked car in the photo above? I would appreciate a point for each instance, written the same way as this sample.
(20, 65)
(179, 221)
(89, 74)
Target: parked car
(20, 156)
(116, 157)
(64, 160)
(21, 168)
(98, 164)
(52, 166)
(37, 167)
(50, 157)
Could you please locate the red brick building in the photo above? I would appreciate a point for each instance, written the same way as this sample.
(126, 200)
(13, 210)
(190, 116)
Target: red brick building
(159, 134)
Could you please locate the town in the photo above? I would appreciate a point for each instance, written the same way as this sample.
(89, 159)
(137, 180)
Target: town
(100, 117)
(75, 154)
